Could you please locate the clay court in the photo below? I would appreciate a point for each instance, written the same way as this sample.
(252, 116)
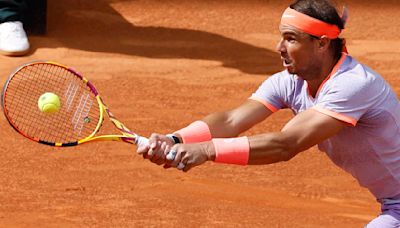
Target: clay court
(160, 65)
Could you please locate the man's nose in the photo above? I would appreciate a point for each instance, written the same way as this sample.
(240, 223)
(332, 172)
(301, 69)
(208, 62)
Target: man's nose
(280, 47)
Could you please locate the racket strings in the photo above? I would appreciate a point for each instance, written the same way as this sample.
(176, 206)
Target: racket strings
(77, 117)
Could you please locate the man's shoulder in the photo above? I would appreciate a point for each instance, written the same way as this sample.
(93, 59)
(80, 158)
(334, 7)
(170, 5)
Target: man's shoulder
(353, 72)
(355, 78)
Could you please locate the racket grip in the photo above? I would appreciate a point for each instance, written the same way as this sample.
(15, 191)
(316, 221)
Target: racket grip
(142, 141)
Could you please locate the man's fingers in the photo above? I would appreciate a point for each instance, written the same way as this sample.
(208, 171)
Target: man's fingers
(150, 153)
(181, 166)
(166, 166)
(187, 168)
(142, 149)
(166, 150)
(158, 161)
(177, 159)
(154, 141)
(171, 155)
(184, 163)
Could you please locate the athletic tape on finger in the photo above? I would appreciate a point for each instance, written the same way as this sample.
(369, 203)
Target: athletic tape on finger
(180, 166)
(171, 156)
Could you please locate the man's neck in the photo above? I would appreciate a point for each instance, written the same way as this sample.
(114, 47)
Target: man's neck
(327, 65)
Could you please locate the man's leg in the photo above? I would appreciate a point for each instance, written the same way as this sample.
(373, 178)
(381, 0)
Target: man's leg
(384, 221)
(390, 217)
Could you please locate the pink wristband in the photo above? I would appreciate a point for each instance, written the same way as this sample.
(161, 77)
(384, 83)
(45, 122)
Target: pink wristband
(232, 150)
(197, 131)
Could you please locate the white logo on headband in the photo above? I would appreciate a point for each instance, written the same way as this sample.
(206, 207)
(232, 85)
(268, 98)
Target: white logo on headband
(288, 15)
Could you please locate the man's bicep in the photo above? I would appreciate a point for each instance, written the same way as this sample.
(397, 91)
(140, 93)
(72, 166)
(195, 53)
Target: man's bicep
(311, 127)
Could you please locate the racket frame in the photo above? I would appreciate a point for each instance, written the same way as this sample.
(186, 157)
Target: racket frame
(126, 136)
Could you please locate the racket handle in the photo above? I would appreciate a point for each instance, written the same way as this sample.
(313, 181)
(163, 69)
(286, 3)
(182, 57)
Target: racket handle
(142, 141)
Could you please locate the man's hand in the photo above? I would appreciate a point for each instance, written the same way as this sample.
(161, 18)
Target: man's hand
(190, 155)
(159, 146)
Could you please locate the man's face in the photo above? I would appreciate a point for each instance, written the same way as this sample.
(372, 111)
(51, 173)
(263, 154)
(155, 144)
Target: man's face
(298, 52)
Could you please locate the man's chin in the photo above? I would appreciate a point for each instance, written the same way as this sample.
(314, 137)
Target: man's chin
(290, 70)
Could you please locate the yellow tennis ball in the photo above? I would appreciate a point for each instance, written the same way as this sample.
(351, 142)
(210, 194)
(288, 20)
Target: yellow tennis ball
(49, 103)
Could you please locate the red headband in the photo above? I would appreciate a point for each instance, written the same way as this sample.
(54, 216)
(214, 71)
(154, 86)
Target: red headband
(309, 24)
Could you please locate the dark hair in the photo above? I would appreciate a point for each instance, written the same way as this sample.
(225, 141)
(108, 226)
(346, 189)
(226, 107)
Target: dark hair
(323, 10)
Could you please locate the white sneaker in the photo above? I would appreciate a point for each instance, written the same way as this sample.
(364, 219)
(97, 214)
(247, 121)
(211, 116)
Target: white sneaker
(13, 39)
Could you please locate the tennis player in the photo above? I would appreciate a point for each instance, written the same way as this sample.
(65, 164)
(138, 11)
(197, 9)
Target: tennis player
(341, 105)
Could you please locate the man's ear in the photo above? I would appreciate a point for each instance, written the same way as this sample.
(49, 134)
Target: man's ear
(324, 42)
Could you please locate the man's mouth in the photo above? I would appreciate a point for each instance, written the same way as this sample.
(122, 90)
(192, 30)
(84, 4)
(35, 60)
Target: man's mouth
(286, 62)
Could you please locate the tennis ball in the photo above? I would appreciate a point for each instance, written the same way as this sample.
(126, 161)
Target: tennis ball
(49, 103)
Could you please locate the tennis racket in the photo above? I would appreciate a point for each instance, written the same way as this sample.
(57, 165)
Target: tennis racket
(79, 117)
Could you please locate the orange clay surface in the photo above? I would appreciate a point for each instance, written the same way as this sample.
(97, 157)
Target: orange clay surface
(159, 65)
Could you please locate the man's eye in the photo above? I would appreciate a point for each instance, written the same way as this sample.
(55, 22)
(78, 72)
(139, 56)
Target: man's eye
(291, 39)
